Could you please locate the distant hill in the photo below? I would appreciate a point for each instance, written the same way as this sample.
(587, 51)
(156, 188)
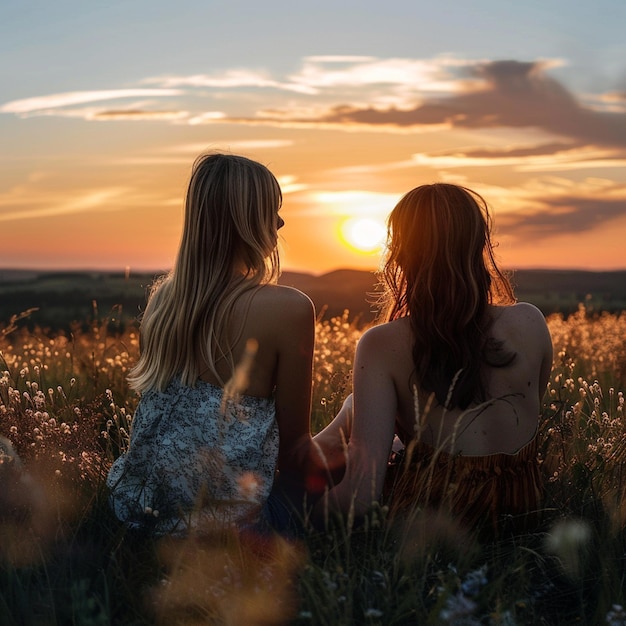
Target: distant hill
(562, 290)
(552, 291)
(62, 297)
(337, 291)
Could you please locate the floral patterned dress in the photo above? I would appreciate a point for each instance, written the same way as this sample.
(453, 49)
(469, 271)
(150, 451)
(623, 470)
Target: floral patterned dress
(196, 458)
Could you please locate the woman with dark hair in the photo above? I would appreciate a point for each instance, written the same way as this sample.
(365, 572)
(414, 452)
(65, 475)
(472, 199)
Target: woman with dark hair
(225, 367)
(457, 371)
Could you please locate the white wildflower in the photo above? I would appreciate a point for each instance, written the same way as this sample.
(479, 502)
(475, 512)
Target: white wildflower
(568, 540)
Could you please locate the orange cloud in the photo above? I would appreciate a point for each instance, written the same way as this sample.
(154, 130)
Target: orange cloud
(134, 114)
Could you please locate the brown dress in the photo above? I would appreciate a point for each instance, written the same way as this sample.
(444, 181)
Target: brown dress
(493, 492)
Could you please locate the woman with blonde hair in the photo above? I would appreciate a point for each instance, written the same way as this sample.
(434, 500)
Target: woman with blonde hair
(225, 365)
(457, 372)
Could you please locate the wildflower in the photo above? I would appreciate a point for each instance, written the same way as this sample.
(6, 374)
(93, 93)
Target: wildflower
(616, 616)
(505, 619)
(457, 606)
(474, 582)
(330, 584)
(568, 540)
(378, 578)
(39, 398)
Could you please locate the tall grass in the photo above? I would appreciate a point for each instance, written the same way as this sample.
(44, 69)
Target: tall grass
(66, 409)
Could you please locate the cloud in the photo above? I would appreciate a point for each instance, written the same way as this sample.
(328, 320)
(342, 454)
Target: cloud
(490, 94)
(289, 185)
(35, 208)
(150, 161)
(543, 157)
(414, 75)
(207, 117)
(231, 79)
(518, 151)
(610, 102)
(320, 74)
(99, 114)
(550, 206)
(237, 144)
(124, 114)
(31, 201)
(338, 58)
(614, 96)
(368, 93)
(40, 104)
(565, 215)
(538, 210)
(348, 204)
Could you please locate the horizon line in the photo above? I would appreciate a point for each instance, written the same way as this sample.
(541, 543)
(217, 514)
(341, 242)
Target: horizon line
(128, 270)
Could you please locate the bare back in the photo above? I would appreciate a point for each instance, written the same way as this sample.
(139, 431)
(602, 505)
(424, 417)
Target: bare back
(281, 321)
(384, 403)
(508, 419)
(266, 316)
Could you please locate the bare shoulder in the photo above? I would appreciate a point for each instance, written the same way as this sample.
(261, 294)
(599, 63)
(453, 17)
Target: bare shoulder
(281, 298)
(386, 338)
(281, 308)
(521, 322)
(523, 313)
(524, 309)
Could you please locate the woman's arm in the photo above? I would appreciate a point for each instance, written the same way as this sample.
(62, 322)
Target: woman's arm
(531, 329)
(331, 444)
(373, 426)
(547, 358)
(294, 319)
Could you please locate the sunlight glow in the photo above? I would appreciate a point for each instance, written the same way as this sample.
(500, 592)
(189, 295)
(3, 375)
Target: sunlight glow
(364, 233)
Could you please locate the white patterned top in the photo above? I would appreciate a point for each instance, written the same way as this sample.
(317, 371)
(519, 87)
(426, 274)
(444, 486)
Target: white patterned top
(195, 458)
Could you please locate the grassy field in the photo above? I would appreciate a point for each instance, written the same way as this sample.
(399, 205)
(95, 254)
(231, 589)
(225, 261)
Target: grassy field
(66, 408)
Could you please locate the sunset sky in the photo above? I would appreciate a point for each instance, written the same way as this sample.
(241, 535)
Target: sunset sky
(105, 105)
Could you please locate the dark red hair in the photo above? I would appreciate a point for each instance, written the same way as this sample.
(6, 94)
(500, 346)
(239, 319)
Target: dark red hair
(440, 271)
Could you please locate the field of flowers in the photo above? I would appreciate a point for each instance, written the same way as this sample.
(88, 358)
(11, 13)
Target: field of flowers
(66, 409)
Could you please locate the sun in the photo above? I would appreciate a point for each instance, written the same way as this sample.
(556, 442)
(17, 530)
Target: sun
(364, 234)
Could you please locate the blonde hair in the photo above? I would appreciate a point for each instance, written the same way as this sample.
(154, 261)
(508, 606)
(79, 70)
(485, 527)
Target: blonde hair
(440, 271)
(228, 247)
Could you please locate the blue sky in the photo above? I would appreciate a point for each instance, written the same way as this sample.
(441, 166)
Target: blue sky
(103, 107)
